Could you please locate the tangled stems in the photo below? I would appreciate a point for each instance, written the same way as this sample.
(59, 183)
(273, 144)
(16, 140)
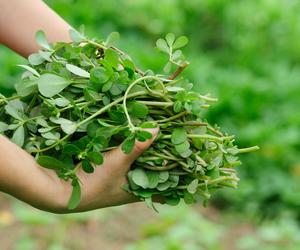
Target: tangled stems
(126, 95)
(5, 100)
(214, 181)
(99, 112)
(102, 110)
(103, 100)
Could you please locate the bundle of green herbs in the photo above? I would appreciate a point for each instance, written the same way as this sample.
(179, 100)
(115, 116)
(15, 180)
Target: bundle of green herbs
(77, 100)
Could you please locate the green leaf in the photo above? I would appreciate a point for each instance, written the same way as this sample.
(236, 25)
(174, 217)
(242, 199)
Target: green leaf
(192, 187)
(71, 149)
(69, 128)
(143, 135)
(26, 87)
(172, 201)
(170, 38)
(77, 71)
(138, 109)
(19, 136)
(177, 106)
(182, 147)
(62, 102)
(162, 45)
(76, 36)
(115, 89)
(99, 75)
(107, 86)
(35, 59)
(233, 150)
(92, 128)
(3, 127)
(15, 109)
(95, 157)
(163, 186)
(180, 42)
(91, 95)
(87, 166)
(132, 185)
(186, 154)
(139, 177)
(177, 55)
(163, 176)
(50, 85)
(149, 125)
(153, 178)
(112, 37)
(174, 179)
(51, 163)
(30, 69)
(112, 58)
(46, 55)
(75, 196)
(150, 203)
(41, 40)
(217, 161)
(49, 135)
(178, 136)
(188, 198)
(128, 144)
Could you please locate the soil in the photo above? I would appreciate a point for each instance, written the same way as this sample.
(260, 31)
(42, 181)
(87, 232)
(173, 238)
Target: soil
(111, 232)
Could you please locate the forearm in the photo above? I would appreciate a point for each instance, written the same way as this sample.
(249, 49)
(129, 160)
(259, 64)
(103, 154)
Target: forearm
(23, 178)
(20, 19)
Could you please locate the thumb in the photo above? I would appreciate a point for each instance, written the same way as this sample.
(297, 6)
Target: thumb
(119, 159)
(140, 147)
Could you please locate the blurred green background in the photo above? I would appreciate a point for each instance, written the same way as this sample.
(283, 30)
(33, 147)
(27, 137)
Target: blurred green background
(246, 53)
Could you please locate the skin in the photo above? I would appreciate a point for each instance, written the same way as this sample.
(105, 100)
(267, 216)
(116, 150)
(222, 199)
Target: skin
(20, 175)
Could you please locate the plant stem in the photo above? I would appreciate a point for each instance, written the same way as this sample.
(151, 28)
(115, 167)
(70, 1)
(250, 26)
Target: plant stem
(248, 150)
(178, 71)
(217, 132)
(214, 181)
(156, 168)
(100, 111)
(204, 137)
(126, 95)
(163, 104)
(174, 117)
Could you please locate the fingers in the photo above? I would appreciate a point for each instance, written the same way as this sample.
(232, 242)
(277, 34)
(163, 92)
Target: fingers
(119, 159)
(140, 147)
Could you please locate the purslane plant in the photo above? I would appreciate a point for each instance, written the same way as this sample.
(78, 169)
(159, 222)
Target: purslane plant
(77, 100)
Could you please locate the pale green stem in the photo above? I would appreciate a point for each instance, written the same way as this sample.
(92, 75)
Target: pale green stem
(248, 150)
(204, 137)
(174, 117)
(126, 95)
(164, 104)
(215, 181)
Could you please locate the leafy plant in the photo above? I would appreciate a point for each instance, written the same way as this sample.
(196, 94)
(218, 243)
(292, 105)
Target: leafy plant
(77, 100)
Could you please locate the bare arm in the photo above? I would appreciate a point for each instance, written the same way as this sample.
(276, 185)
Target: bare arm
(20, 19)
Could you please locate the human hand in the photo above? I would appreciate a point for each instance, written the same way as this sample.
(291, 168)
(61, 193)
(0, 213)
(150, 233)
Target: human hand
(103, 188)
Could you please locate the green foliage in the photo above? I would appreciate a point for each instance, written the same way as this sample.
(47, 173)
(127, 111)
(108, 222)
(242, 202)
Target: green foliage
(89, 101)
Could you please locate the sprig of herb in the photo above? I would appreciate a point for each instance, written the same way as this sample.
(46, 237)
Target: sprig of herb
(77, 100)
